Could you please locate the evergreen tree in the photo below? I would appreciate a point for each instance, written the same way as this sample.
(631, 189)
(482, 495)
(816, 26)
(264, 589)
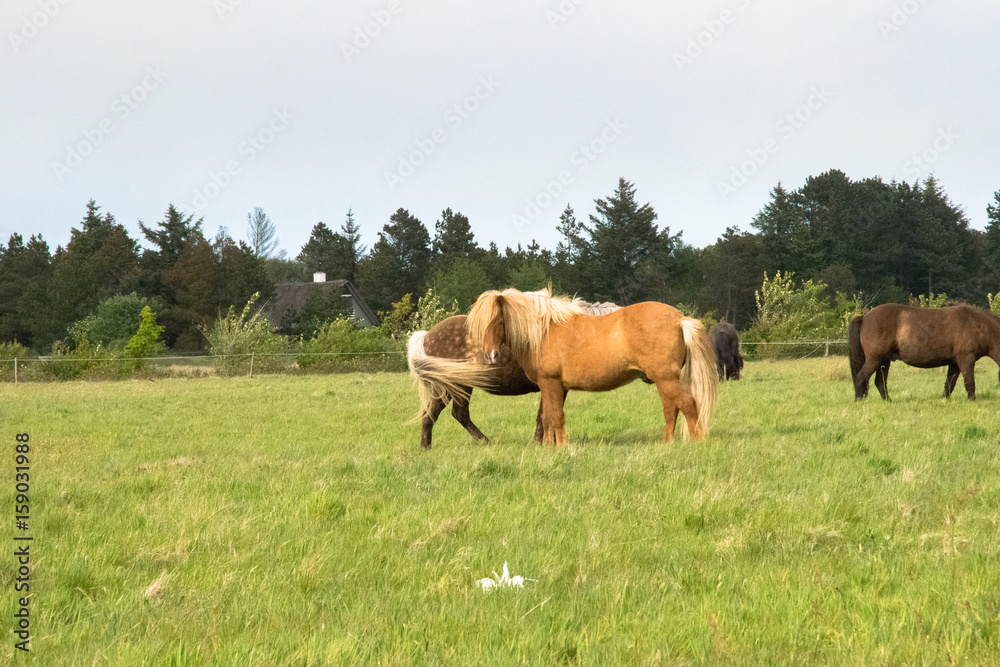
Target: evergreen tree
(733, 269)
(320, 250)
(786, 239)
(25, 313)
(243, 273)
(570, 251)
(169, 238)
(453, 237)
(398, 263)
(100, 260)
(942, 240)
(351, 248)
(992, 243)
(623, 235)
(335, 254)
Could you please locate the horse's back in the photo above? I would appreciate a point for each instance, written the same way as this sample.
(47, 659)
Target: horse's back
(924, 337)
(448, 339)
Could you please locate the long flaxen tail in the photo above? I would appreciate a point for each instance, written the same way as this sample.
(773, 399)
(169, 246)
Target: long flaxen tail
(699, 373)
(443, 379)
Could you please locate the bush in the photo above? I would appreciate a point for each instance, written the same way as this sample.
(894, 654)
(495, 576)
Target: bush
(430, 312)
(146, 341)
(932, 301)
(8, 353)
(342, 347)
(237, 340)
(114, 323)
(994, 303)
(786, 313)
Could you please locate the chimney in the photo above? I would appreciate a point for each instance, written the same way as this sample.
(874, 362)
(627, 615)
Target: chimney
(319, 277)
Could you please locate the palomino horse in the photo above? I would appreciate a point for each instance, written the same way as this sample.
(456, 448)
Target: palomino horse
(561, 348)
(445, 370)
(955, 336)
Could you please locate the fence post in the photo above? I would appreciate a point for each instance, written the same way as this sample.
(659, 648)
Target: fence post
(15, 370)
(826, 352)
(251, 365)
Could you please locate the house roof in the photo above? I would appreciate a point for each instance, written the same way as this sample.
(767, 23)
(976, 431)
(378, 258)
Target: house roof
(293, 296)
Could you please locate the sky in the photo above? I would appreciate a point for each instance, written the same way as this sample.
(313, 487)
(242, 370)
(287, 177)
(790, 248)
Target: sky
(506, 111)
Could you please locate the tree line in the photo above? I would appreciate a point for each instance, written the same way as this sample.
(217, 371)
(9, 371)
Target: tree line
(876, 240)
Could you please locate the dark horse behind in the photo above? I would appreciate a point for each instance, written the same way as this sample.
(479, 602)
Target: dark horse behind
(955, 336)
(726, 342)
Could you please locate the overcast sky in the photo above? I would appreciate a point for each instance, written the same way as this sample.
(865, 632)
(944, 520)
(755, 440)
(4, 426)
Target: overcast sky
(503, 110)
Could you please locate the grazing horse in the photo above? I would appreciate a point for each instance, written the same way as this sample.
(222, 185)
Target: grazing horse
(726, 343)
(441, 362)
(955, 336)
(560, 348)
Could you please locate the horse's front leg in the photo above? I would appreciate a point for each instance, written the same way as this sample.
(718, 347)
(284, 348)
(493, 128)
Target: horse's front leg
(539, 430)
(553, 418)
(950, 379)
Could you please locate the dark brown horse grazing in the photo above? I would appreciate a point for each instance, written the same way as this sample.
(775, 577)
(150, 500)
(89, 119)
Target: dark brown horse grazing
(560, 347)
(441, 362)
(726, 343)
(955, 336)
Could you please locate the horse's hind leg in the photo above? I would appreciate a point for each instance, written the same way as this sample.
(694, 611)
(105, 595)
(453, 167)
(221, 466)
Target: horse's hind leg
(968, 366)
(882, 381)
(427, 424)
(872, 364)
(460, 410)
(674, 397)
(950, 379)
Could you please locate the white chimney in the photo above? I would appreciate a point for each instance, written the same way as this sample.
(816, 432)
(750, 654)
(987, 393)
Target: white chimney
(319, 277)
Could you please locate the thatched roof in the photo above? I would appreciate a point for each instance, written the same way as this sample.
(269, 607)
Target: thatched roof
(293, 296)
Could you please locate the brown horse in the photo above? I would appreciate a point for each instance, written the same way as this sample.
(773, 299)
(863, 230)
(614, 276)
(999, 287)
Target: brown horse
(441, 362)
(955, 336)
(560, 347)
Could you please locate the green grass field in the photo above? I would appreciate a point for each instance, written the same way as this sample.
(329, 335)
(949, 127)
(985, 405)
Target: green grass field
(294, 520)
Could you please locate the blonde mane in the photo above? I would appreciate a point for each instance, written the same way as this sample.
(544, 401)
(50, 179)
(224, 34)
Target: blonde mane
(526, 317)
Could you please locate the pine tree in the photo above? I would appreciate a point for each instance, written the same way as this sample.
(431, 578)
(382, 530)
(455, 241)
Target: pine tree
(25, 272)
(100, 260)
(320, 250)
(398, 262)
(992, 241)
(351, 249)
(453, 237)
(623, 235)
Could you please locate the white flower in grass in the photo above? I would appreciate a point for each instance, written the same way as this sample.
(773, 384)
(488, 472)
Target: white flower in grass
(501, 581)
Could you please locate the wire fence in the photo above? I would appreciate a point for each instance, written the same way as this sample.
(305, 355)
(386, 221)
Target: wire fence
(68, 367)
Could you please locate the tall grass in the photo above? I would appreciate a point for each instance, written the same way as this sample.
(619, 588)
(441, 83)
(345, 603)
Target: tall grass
(294, 520)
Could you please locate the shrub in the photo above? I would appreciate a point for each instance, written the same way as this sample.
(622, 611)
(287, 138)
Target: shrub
(786, 313)
(114, 323)
(932, 301)
(994, 303)
(430, 312)
(8, 353)
(146, 341)
(237, 340)
(341, 346)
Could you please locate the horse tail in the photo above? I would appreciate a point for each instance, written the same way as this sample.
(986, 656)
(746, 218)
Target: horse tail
(856, 352)
(699, 374)
(443, 379)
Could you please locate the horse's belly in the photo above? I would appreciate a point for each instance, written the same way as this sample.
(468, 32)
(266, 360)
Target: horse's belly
(596, 379)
